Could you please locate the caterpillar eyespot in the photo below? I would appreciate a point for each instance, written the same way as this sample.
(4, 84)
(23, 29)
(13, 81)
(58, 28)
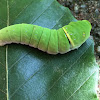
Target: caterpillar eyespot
(52, 41)
(83, 34)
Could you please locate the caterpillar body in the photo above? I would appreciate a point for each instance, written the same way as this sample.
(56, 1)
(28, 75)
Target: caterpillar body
(52, 41)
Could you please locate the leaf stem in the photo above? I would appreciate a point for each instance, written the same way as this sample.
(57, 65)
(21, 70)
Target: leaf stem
(7, 52)
(7, 72)
(7, 13)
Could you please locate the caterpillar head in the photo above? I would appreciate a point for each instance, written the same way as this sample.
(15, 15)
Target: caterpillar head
(78, 32)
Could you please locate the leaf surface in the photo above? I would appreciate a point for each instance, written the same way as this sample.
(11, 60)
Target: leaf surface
(29, 74)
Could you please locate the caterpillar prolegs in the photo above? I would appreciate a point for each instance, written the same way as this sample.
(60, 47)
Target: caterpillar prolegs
(52, 41)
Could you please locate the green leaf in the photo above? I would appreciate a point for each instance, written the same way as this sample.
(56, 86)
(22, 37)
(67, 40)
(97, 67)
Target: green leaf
(29, 74)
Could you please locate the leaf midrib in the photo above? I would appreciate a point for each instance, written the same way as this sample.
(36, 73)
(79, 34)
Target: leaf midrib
(7, 52)
(7, 72)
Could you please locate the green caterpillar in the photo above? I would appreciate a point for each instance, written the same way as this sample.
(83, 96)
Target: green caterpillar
(52, 41)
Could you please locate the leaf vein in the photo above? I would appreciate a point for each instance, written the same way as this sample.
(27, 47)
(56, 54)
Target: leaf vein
(2, 20)
(19, 60)
(38, 16)
(26, 81)
(42, 13)
(81, 85)
(2, 91)
(22, 10)
(65, 72)
(2, 64)
(58, 20)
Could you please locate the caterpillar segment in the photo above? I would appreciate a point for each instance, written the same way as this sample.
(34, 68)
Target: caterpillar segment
(36, 36)
(26, 31)
(44, 40)
(4, 37)
(10, 34)
(63, 43)
(52, 41)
